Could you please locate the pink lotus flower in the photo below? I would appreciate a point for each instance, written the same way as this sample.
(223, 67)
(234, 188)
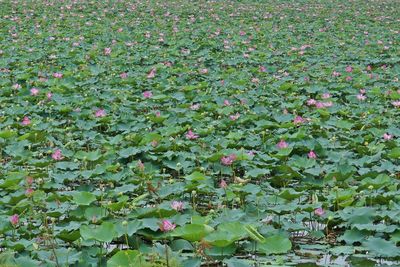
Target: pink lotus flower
(226, 102)
(234, 117)
(349, 69)
(107, 51)
(326, 95)
(336, 74)
(369, 68)
(251, 153)
(262, 69)
(319, 105)
(17, 86)
(299, 120)
(190, 135)
(349, 78)
(57, 155)
(49, 96)
(242, 33)
(228, 160)
(123, 75)
(147, 94)
(362, 91)
(195, 106)
(154, 143)
(57, 75)
(177, 205)
(14, 219)
(152, 73)
(167, 226)
(26, 121)
(361, 97)
(158, 114)
(387, 136)
(319, 212)
(29, 192)
(223, 184)
(282, 144)
(203, 71)
(34, 91)
(311, 102)
(396, 103)
(167, 63)
(312, 155)
(100, 113)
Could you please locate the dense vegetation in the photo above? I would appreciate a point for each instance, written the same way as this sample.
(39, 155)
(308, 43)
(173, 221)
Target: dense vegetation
(180, 133)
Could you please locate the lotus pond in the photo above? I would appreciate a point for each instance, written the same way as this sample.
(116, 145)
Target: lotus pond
(199, 133)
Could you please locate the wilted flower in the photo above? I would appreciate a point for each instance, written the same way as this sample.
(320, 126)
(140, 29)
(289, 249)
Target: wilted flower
(204, 71)
(190, 135)
(154, 143)
(29, 180)
(319, 211)
(282, 144)
(57, 155)
(151, 74)
(34, 91)
(14, 219)
(167, 226)
(177, 205)
(262, 69)
(312, 155)
(140, 165)
(29, 192)
(223, 184)
(147, 94)
(26, 121)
